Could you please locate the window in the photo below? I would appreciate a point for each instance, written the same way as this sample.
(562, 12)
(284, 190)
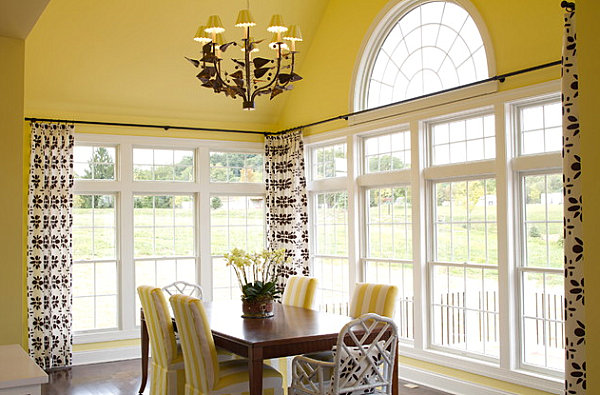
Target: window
(235, 222)
(463, 140)
(330, 259)
(329, 161)
(94, 162)
(541, 127)
(434, 46)
(142, 214)
(163, 165)
(94, 262)
(387, 152)
(464, 268)
(236, 167)
(541, 271)
(389, 248)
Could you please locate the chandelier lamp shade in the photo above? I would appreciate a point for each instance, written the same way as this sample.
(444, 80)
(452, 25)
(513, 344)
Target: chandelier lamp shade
(248, 76)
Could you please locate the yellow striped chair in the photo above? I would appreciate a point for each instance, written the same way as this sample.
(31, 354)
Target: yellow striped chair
(367, 298)
(373, 298)
(300, 292)
(168, 376)
(203, 372)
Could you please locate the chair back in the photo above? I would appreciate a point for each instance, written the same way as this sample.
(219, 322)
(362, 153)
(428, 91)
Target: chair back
(197, 343)
(159, 324)
(300, 292)
(364, 356)
(184, 288)
(373, 298)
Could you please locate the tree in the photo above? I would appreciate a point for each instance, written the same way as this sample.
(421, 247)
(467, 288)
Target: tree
(216, 203)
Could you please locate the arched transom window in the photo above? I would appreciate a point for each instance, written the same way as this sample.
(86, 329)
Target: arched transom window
(432, 47)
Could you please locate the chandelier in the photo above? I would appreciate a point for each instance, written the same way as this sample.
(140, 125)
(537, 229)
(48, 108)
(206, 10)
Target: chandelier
(250, 75)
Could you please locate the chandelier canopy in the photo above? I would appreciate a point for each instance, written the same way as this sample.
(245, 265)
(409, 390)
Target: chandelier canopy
(250, 75)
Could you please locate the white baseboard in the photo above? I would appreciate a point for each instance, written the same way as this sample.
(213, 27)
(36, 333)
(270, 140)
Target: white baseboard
(445, 383)
(106, 355)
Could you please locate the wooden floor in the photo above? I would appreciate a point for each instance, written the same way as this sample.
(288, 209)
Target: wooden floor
(123, 378)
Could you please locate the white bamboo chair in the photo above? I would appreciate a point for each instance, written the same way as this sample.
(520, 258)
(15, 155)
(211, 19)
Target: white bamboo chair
(363, 361)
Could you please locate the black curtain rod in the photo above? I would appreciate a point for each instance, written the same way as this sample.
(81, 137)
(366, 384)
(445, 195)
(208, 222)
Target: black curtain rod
(500, 78)
(140, 125)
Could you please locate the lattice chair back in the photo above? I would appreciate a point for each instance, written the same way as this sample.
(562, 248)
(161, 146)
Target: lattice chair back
(363, 361)
(184, 288)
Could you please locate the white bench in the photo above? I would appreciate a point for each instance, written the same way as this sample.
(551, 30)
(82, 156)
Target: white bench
(19, 375)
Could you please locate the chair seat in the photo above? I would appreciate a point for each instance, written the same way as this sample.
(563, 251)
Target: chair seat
(234, 377)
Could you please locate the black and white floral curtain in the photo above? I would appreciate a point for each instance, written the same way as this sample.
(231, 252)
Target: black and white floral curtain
(286, 201)
(49, 240)
(575, 366)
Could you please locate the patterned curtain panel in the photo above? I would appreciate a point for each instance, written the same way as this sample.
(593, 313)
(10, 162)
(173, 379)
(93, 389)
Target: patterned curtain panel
(49, 256)
(286, 201)
(575, 369)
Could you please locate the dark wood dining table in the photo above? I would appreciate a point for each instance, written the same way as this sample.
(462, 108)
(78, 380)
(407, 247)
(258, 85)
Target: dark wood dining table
(291, 331)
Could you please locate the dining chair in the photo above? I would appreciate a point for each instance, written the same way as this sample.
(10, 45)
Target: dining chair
(184, 288)
(379, 299)
(167, 376)
(203, 372)
(363, 361)
(300, 292)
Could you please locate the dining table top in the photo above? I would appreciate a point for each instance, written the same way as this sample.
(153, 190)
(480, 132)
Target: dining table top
(288, 324)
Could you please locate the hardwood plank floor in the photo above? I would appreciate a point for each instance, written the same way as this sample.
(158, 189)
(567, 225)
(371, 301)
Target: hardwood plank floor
(123, 378)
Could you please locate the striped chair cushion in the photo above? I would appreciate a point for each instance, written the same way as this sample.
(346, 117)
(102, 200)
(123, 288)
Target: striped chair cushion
(373, 298)
(300, 292)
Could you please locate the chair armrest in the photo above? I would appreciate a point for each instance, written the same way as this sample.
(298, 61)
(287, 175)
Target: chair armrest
(310, 376)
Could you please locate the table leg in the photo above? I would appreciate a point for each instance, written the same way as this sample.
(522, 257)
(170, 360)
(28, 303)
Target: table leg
(255, 368)
(145, 346)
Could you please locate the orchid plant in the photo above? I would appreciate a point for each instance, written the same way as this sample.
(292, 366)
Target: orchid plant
(257, 273)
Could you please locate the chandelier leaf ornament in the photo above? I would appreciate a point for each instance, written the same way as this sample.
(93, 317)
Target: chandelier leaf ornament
(249, 75)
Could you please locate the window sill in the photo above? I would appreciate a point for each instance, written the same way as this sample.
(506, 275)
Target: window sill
(486, 369)
(107, 336)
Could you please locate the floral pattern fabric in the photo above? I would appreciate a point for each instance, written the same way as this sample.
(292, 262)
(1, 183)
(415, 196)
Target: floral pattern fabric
(286, 201)
(49, 243)
(575, 366)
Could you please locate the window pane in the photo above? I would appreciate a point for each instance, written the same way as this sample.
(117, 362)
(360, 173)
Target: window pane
(92, 162)
(462, 141)
(432, 47)
(163, 165)
(387, 152)
(543, 225)
(465, 309)
(236, 167)
(329, 161)
(465, 231)
(235, 222)
(540, 128)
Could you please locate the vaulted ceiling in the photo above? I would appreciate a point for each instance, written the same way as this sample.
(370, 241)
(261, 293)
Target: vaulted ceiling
(124, 60)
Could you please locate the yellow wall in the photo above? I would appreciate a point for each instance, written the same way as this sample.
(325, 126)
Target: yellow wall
(531, 27)
(12, 52)
(588, 32)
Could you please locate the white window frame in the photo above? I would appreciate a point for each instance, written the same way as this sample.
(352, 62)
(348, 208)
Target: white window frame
(503, 168)
(124, 187)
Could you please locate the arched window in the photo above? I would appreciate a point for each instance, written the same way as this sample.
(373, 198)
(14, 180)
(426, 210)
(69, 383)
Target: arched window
(420, 49)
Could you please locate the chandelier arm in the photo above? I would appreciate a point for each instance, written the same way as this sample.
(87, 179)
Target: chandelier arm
(247, 95)
(291, 70)
(218, 74)
(267, 86)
